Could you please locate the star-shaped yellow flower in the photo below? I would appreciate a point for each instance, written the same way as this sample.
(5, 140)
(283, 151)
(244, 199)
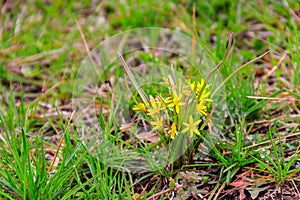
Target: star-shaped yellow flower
(176, 102)
(191, 84)
(173, 131)
(154, 109)
(164, 101)
(157, 123)
(140, 106)
(204, 96)
(200, 86)
(201, 108)
(191, 126)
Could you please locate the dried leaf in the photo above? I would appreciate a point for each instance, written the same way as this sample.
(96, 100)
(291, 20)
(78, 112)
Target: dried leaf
(239, 183)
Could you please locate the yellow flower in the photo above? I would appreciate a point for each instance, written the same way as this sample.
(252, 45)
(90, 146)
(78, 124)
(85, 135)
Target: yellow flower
(204, 96)
(176, 102)
(165, 101)
(191, 84)
(201, 108)
(155, 109)
(199, 86)
(140, 106)
(157, 123)
(173, 131)
(191, 126)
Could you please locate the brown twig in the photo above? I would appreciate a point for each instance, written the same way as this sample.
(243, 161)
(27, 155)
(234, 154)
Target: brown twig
(215, 69)
(226, 55)
(298, 193)
(129, 73)
(44, 94)
(60, 143)
(177, 186)
(86, 46)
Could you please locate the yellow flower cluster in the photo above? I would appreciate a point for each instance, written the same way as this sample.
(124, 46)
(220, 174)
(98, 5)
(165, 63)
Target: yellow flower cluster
(167, 114)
